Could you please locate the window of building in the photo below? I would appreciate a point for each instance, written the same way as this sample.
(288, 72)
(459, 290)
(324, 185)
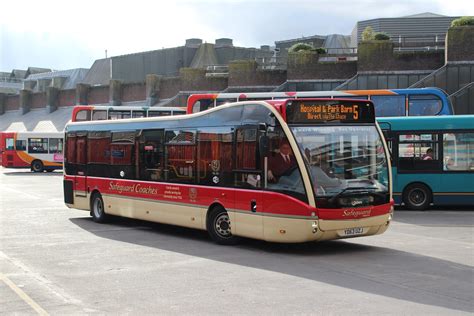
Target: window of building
(458, 152)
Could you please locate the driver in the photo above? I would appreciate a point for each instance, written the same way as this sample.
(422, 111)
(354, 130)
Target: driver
(282, 162)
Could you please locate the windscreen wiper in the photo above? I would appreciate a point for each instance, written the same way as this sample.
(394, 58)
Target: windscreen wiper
(356, 189)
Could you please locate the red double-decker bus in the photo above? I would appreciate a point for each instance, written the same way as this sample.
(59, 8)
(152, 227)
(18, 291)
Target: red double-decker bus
(282, 171)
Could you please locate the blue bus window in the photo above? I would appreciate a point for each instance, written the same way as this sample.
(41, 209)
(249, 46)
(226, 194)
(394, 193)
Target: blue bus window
(389, 105)
(423, 105)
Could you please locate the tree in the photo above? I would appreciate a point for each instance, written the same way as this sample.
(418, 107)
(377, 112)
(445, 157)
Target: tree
(300, 47)
(465, 20)
(368, 34)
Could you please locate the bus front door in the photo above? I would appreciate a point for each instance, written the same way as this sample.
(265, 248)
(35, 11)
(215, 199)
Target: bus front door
(80, 182)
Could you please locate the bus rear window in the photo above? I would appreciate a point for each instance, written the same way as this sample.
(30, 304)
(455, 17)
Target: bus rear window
(423, 105)
(389, 105)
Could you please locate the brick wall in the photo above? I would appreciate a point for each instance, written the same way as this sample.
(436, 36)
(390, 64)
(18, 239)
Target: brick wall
(12, 102)
(38, 100)
(67, 97)
(133, 92)
(98, 95)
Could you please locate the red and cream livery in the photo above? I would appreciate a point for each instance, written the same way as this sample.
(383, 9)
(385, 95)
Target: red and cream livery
(215, 170)
(40, 151)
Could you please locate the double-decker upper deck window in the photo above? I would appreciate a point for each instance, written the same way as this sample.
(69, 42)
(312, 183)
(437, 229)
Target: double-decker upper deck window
(423, 105)
(389, 105)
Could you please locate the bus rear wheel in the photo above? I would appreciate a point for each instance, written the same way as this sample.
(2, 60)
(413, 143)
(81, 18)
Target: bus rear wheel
(37, 166)
(417, 196)
(97, 209)
(219, 227)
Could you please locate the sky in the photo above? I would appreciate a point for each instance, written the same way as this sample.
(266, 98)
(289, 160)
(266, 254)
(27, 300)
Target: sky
(67, 34)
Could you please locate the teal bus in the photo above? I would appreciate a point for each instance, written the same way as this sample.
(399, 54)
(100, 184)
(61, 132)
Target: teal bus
(432, 159)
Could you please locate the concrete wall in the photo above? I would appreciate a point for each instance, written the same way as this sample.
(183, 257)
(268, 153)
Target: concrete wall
(379, 56)
(306, 65)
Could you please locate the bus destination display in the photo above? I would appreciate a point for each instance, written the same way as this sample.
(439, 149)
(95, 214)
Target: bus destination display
(320, 111)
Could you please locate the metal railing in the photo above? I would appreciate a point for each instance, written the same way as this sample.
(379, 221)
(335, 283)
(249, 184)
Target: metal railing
(418, 42)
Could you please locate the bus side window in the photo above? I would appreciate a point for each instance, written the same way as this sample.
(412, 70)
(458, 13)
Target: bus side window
(122, 157)
(20, 144)
(180, 156)
(9, 144)
(99, 115)
(247, 173)
(152, 155)
(98, 154)
(38, 145)
(423, 105)
(55, 145)
(418, 152)
(458, 152)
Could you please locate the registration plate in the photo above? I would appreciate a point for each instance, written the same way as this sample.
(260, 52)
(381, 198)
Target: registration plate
(351, 231)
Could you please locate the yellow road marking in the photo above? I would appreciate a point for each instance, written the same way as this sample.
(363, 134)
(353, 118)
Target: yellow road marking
(23, 295)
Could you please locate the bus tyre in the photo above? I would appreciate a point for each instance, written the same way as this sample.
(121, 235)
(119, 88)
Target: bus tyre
(219, 227)
(417, 196)
(37, 166)
(97, 209)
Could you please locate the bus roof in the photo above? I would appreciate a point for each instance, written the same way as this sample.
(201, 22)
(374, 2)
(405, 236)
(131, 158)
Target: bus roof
(421, 123)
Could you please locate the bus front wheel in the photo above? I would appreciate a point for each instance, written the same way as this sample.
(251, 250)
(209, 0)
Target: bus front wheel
(97, 209)
(417, 196)
(219, 227)
(37, 166)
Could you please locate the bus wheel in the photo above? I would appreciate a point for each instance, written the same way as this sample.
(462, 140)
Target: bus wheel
(219, 227)
(37, 166)
(417, 196)
(97, 209)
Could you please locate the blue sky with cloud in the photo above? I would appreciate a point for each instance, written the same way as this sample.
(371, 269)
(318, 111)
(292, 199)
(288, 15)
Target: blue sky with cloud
(71, 34)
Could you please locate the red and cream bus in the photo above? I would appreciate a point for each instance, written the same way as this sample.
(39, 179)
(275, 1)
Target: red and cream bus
(39, 151)
(82, 113)
(281, 171)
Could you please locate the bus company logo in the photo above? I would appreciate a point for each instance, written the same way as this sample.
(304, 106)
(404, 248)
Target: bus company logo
(133, 188)
(215, 165)
(193, 194)
(357, 202)
(357, 213)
